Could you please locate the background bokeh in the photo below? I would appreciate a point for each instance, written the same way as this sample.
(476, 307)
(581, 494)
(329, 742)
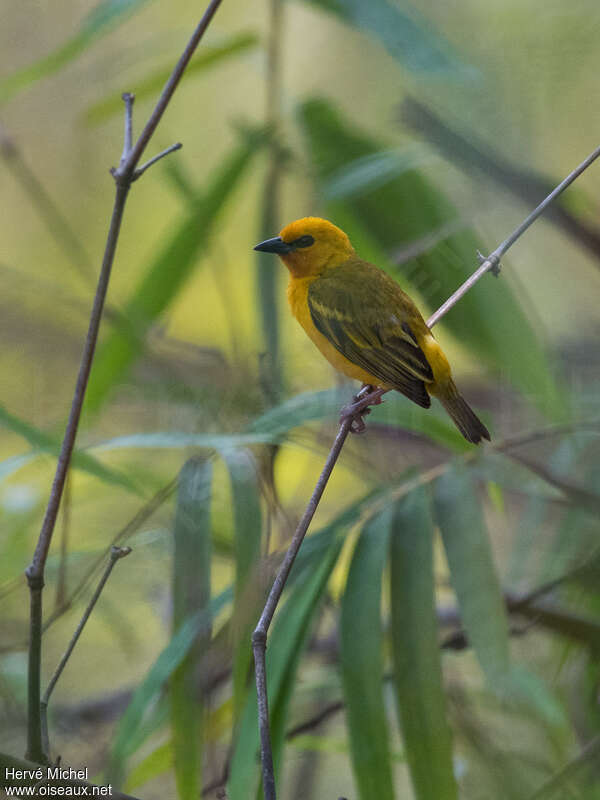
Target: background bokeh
(427, 133)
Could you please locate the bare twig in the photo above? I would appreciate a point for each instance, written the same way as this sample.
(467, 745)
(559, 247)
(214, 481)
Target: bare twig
(61, 579)
(492, 262)
(140, 170)
(116, 553)
(259, 637)
(124, 175)
(351, 419)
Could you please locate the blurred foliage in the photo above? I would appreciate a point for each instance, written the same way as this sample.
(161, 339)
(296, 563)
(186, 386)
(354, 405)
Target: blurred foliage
(439, 635)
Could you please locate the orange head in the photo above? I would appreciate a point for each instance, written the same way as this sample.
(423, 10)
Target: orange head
(309, 245)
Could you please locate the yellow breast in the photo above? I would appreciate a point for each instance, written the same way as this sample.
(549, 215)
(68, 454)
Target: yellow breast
(297, 294)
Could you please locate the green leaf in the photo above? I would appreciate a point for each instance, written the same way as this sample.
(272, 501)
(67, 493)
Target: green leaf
(160, 672)
(247, 519)
(417, 665)
(395, 410)
(406, 35)
(150, 86)
(152, 766)
(580, 771)
(48, 444)
(411, 220)
(285, 646)
(361, 642)
(167, 275)
(191, 594)
(104, 18)
(373, 170)
(474, 578)
(177, 440)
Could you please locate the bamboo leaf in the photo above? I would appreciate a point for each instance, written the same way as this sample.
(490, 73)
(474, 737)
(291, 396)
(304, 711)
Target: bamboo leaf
(191, 595)
(395, 410)
(405, 34)
(413, 222)
(167, 274)
(177, 440)
(49, 444)
(104, 18)
(474, 578)
(152, 766)
(285, 647)
(248, 528)
(170, 658)
(417, 664)
(151, 85)
(361, 642)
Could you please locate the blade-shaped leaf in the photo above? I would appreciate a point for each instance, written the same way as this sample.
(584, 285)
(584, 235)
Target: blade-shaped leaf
(361, 643)
(417, 665)
(48, 444)
(247, 520)
(160, 672)
(104, 17)
(474, 578)
(395, 410)
(409, 209)
(405, 34)
(191, 594)
(167, 274)
(285, 647)
(150, 86)
(152, 766)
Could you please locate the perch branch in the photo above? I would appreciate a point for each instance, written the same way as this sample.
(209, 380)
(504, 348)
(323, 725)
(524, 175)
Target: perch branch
(116, 553)
(124, 175)
(351, 419)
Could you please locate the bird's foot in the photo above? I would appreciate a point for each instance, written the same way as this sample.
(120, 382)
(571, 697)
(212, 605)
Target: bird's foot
(359, 407)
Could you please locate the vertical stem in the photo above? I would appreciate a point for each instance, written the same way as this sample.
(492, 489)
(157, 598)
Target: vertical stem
(35, 571)
(34, 750)
(124, 175)
(61, 580)
(259, 637)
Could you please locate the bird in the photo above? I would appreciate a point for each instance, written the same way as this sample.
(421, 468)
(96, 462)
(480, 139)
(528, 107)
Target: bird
(364, 324)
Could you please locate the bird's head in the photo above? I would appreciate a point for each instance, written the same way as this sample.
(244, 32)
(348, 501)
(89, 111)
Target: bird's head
(308, 246)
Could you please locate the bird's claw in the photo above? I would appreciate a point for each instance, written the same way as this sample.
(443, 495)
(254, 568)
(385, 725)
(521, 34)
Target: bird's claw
(356, 410)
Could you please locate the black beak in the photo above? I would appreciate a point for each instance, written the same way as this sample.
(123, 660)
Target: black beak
(275, 245)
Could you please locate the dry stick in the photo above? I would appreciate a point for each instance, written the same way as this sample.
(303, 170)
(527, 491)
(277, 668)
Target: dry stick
(353, 414)
(116, 553)
(124, 175)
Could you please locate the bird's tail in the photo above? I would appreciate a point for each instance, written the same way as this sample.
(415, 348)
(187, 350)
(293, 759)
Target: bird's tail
(463, 416)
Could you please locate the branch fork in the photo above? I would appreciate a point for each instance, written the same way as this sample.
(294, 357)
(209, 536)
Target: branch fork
(125, 174)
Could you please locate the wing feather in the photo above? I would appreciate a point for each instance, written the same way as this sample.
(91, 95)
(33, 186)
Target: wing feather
(364, 318)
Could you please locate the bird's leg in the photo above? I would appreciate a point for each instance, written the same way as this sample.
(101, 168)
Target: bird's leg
(359, 408)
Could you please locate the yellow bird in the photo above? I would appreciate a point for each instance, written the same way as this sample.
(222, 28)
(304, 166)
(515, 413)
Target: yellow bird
(362, 321)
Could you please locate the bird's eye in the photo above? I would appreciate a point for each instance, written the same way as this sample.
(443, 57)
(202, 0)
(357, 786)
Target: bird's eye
(303, 241)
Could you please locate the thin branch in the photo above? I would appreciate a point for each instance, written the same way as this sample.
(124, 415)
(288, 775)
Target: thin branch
(351, 419)
(259, 637)
(140, 170)
(123, 175)
(61, 579)
(137, 151)
(128, 99)
(492, 262)
(116, 553)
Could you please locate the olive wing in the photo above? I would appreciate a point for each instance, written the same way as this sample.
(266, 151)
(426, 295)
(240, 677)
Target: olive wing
(362, 318)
